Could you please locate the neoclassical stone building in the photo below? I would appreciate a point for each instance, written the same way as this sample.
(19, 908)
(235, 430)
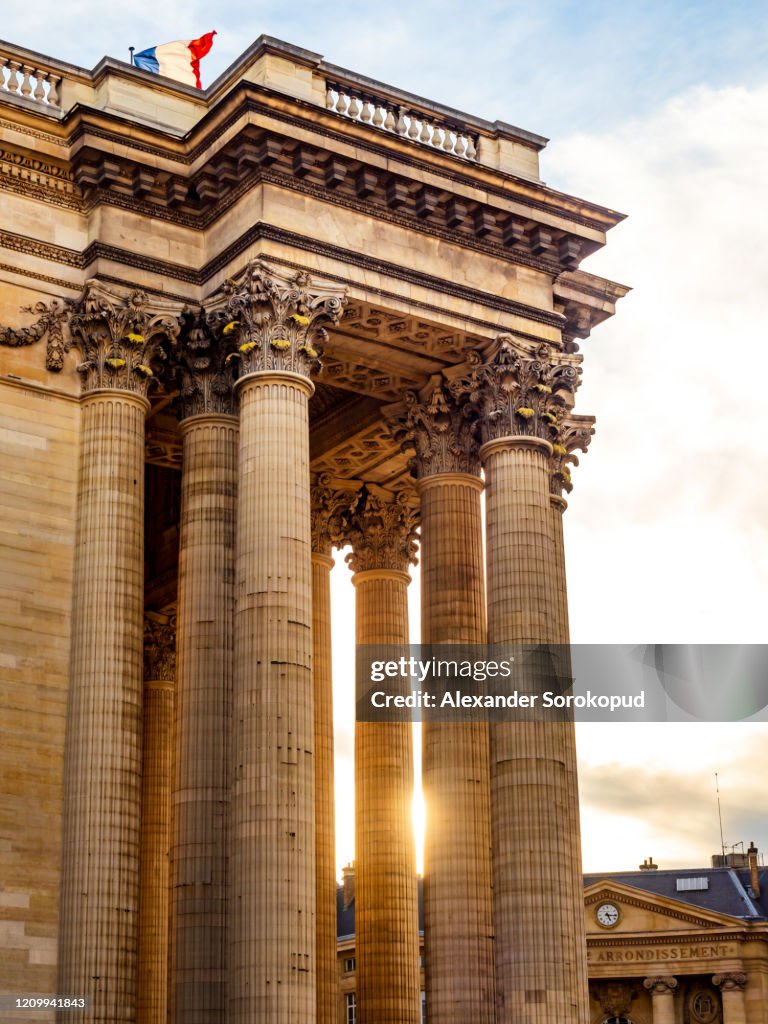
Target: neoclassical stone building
(683, 946)
(239, 327)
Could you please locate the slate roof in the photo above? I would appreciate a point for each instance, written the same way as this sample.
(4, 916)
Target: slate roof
(729, 893)
(729, 889)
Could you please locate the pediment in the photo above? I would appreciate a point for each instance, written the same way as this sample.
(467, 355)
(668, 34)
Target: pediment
(643, 911)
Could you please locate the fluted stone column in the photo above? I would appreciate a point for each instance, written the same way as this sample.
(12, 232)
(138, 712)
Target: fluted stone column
(272, 964)
(458, 926)
(209, 431)
(521, 397)
(98, 923)
(154, 877)
(732, 985)
(386, 898)
(328, 504)
(662, 991)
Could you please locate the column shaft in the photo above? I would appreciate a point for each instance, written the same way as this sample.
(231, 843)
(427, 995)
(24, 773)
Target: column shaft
(458, 926)
(154, 902)
(663, 1007)
(102, 771)
(386, 899)
(536, 857)
(325, 833)
(272, 972)
(203, 720)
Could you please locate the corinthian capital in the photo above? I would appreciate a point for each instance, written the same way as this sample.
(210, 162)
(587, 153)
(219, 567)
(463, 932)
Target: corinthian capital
(119, 337)
(275, 318)
(330, 508)
(206, 380)
(159, 649)
(382, 532)
(574, 433)
(438, 430)
(518, 392)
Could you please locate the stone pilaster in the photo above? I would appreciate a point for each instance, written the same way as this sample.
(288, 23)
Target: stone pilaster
(154, 877)
(275, 321)
(662, 991)
(209, 431)
(458, 926)
(386, 901)
(329, 503)
(521, 397)
(98, 929)
(732, 985)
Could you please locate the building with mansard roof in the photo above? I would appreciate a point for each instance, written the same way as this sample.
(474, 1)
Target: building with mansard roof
(686, 946)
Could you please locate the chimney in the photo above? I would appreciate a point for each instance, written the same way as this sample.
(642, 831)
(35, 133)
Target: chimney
(348, 882)
(648, 865)
(753, 873)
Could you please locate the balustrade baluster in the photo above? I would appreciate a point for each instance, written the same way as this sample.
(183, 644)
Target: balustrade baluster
(26, 81)
(354, 107)
(39, 93)
(389, 122)
(54, 81)
(13, 78)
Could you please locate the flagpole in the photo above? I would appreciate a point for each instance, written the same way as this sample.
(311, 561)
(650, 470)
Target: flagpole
(131, 49)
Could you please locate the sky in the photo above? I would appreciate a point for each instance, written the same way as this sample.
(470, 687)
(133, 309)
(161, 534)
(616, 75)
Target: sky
(661, 111)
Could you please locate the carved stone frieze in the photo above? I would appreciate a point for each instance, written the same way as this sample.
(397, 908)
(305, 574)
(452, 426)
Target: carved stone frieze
(49, 325)
(439, 431)
(202, 368)
(159, 649)
(518, 392)
(119, 337)
(330, 508)
(275, 317)
(382, 532)
(575, 433)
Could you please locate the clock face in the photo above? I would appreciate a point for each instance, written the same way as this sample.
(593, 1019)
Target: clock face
(607, 915)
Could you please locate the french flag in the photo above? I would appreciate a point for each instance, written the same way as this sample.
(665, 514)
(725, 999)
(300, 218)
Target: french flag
(179, 60)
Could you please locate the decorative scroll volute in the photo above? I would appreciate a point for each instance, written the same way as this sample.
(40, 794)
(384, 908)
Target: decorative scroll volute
(437, 430)
(575, 433)
(382, 533)
(517, 392)
(159, 649)
(50, 324)
(275, 318)
(661, 985)
(331, 506)
(119, 338)
(205, 377)
(730, 981)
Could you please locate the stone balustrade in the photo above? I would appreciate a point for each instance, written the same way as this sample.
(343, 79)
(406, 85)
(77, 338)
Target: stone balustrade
(29, 81)
(411, 123)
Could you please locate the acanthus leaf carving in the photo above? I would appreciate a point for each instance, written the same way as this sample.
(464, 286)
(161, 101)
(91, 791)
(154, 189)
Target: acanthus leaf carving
(516, 392)
(276, 318)
(331, 505)
(159, 649)
(575, 433)
(382, 532)
(438, 431)
(119, 337)
(202, 368)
